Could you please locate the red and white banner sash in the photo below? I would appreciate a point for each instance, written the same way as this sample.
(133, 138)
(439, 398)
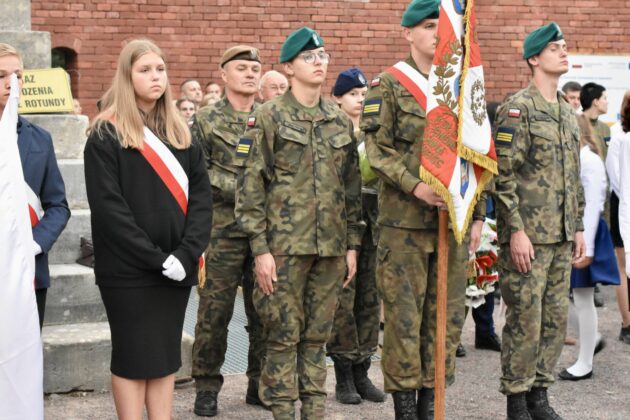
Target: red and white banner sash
(167, 168)
(412, 80)
(170, 171)
(35, 210)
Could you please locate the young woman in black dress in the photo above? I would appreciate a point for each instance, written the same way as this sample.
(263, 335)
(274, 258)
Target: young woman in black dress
(150, 205)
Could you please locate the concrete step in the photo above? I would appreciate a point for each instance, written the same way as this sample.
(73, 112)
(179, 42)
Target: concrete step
(34, 45)
(73, 297)
(77, 357)
(74, 179)
(67, 248)
(67, 131)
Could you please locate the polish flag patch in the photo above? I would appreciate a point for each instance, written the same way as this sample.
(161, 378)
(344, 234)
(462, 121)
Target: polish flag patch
(376, 82)
(514, 113)
(251, 121)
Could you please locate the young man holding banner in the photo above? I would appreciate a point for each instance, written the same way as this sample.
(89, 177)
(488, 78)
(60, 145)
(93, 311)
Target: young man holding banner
(394, 120)
(540, 202)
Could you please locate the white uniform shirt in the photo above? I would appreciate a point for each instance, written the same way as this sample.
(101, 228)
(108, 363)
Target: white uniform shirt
(624, 194)
(593, 177)
(612, 157)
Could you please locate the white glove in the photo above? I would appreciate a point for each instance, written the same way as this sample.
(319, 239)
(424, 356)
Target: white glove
(36, 248)
(173, 269)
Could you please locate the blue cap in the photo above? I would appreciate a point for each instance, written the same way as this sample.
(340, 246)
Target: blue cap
(348, 80)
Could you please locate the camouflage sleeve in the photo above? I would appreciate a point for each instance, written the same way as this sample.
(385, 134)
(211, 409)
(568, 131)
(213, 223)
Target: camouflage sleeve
(479, 212)
(251, 186)
(511, 134)
(352, 182)
(377, 121)
(199, 136)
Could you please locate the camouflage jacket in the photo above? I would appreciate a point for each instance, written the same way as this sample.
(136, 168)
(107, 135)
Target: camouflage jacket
(300, 193)
(538, 188)
(394, 129)
(218, 128)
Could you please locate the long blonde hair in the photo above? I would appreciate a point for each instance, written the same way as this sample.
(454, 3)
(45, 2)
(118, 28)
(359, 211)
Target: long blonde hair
(120, 108)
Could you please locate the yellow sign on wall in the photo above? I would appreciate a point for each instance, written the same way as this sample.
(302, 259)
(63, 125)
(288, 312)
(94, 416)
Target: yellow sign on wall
(45, 91)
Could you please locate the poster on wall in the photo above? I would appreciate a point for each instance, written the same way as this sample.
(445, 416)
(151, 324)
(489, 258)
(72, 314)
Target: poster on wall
(610, 71)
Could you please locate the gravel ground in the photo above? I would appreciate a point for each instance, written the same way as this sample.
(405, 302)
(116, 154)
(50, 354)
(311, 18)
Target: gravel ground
(473, 396)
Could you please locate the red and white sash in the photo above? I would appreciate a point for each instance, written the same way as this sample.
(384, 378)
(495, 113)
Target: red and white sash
(170, 171)
(412, 80)
(167, 168)
(35, 210)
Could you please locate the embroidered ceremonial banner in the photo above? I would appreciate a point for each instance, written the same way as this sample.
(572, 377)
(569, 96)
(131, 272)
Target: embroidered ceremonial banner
(458, 156)
(21, 356)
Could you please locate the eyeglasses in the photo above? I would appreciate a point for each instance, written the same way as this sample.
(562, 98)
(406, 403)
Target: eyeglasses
(309, 57)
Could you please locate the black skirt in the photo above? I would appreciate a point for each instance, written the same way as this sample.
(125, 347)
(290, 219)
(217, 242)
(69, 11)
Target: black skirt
(146, 326)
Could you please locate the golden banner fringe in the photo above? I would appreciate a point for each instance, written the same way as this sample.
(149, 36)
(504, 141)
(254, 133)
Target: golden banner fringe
(441, 190)
(477, 158)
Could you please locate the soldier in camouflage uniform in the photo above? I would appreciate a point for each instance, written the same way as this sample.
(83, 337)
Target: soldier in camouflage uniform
(354, 338)
(539, 204)
(299, 202)
(218, 128)
(394, 123)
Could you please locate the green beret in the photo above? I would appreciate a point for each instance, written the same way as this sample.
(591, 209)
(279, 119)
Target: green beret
(303, 39)
(538, 39)
(419, 10)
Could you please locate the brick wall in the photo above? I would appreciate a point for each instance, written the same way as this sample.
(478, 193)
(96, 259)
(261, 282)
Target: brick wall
(366, 33)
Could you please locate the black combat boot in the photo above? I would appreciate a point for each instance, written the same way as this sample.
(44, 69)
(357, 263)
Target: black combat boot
(345, 391)
(426, 403)
(517, 407)
(405, 406)
(206, 403)
(538, 405)
(364, 386)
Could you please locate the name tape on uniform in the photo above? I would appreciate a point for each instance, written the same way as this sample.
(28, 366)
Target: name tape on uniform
(244, 147)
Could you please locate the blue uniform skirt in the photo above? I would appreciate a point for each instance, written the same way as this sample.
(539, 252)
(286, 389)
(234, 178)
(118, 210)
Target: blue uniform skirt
(603, 270)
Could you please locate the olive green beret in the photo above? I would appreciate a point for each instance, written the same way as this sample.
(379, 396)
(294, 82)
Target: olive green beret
(240, 52)
(538, 39)
(418, 10)
(303, 39)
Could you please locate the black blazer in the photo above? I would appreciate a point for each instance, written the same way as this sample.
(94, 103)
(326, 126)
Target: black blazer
(136, 222)
(42, 175)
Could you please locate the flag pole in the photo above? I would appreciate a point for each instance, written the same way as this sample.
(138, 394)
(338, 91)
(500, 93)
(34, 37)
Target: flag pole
(440, 336)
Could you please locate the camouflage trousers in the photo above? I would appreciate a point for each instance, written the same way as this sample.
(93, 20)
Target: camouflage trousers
(297, 319)
(355, 330)
(406, 276)
(228, 264)
(535, 324)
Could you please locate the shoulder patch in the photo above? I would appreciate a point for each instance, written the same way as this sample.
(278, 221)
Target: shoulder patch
(514, 113)
(375, 82)
(244, 147)
(505, 135)
(251, 121)
(372, 107)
